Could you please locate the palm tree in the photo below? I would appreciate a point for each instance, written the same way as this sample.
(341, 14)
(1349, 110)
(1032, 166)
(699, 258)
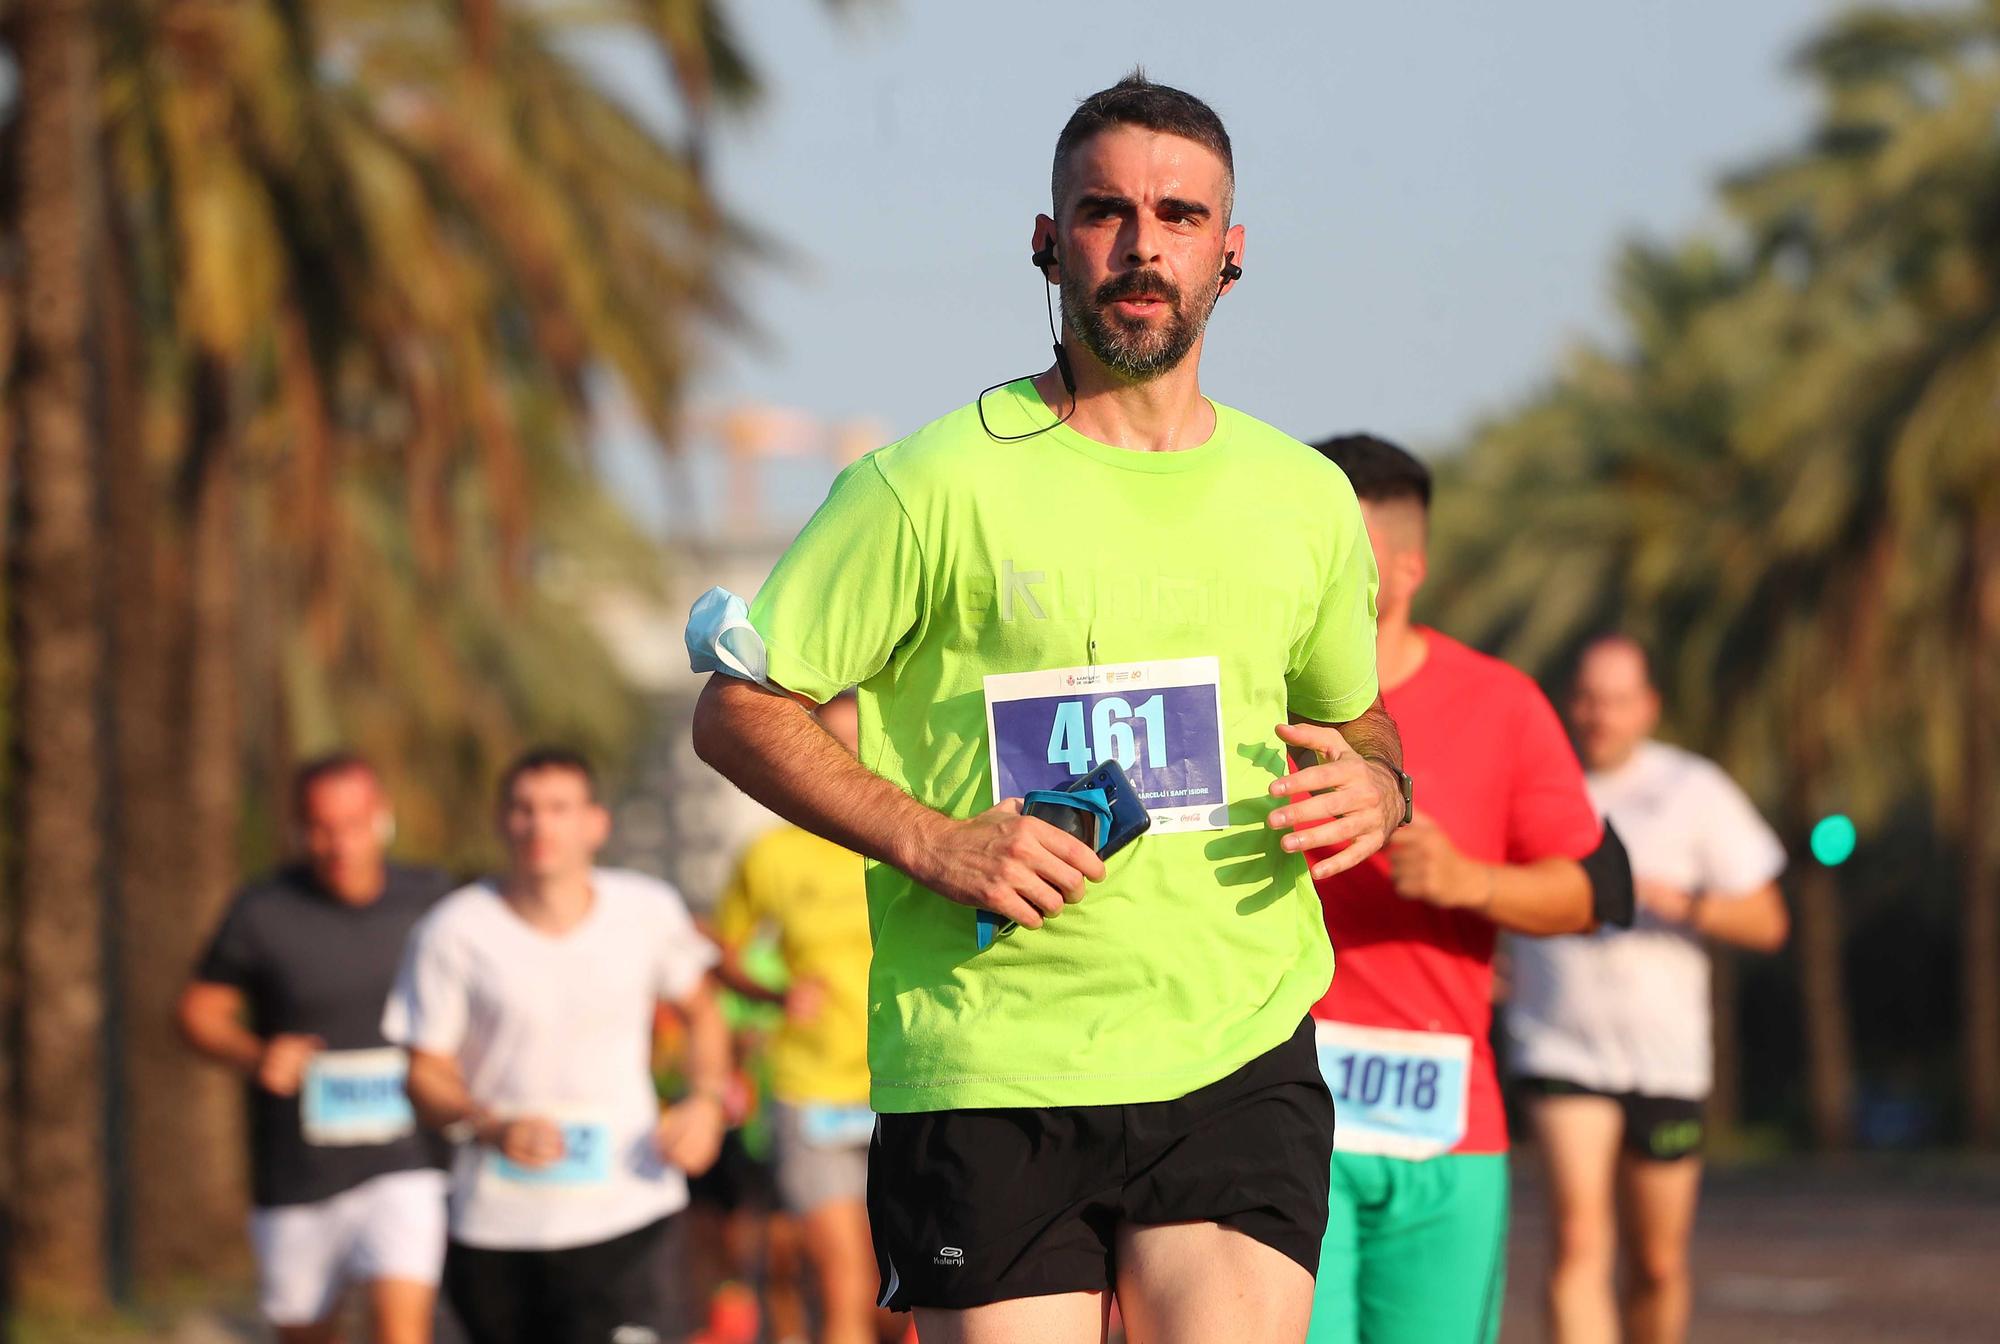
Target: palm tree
(1888, 227)
(364, 260)
(1652, 511)
(1790, 466)
(369, 257)
(58, 1165)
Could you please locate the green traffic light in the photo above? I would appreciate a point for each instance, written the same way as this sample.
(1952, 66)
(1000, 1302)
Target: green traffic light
(1833, 839)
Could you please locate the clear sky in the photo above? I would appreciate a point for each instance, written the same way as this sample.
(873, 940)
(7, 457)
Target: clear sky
(1433, 191)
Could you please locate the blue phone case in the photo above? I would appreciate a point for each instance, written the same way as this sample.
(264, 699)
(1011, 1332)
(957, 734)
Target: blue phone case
(1129, 817)
(1129, 821)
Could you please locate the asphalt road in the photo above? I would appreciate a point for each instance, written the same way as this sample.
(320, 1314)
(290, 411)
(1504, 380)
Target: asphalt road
(1899, 1251)
(1818, 1253)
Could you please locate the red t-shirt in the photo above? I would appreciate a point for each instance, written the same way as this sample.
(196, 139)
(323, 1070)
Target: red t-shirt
(1491, 765)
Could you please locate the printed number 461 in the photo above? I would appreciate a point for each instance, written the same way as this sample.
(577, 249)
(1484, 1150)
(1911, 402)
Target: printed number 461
(1111, 734)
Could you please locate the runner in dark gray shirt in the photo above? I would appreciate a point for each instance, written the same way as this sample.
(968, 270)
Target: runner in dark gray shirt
(290, 992)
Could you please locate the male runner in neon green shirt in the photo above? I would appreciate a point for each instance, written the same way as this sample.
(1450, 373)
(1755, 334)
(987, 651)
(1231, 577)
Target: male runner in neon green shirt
(1120, 1092)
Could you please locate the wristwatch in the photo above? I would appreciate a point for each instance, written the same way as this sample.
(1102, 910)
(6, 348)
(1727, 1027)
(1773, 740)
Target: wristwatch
(1402, 783)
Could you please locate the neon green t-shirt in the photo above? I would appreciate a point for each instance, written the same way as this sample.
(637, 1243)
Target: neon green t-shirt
(1176, 606)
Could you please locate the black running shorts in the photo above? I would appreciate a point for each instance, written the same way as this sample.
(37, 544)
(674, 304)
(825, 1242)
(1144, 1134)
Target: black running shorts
(620, 1291)
(1657, 1129)
(975, 1206)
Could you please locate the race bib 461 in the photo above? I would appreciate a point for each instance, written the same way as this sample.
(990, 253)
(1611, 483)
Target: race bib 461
(1161, 721)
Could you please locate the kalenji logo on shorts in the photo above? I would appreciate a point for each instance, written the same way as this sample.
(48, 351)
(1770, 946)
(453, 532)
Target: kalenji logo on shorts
(949, 1255)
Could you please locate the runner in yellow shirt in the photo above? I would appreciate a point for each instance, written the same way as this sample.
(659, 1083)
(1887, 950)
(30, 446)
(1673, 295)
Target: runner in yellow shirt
(809, 893)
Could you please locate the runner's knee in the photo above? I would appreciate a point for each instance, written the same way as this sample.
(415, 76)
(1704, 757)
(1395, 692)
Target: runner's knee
(1585, 1241)
(1658, 1267)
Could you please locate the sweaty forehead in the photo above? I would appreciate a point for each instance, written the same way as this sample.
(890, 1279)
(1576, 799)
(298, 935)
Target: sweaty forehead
(339, 791)
(1146, 166)
(1613, 667)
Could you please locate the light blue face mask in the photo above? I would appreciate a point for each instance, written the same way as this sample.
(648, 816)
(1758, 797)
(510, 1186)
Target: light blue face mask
(720, 638)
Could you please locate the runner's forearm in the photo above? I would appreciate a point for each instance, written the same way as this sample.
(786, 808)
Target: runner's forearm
(440, 1097)
(730, 974)
(1544, 898)
(769, 746)
(1757, 920)
(210, 1021)
(707, 1045)
(1373, 736)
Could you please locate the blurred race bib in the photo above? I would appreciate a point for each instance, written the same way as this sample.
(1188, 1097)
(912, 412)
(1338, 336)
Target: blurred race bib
(1395, 1093)
(585, 1161)
(823, 1126)
(354, 1097)
(1161, 721)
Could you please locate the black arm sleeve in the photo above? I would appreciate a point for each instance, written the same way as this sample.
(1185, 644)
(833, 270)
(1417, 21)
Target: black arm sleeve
(1610, 874)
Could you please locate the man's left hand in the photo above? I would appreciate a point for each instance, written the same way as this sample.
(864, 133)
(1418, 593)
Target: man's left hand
(689, 1135)
(1427, 867)
(1354, 802)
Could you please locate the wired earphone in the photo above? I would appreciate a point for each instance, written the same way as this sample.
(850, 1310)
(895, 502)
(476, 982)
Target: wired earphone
(1041, 259)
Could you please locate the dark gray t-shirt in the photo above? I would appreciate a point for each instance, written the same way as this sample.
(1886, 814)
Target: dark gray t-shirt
(308, 964)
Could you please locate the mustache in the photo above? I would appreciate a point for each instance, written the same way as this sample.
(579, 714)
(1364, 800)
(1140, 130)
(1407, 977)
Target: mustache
(1134, 283)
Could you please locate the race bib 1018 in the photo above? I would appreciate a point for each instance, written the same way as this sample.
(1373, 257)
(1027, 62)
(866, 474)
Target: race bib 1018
(1395, 1093)
(1161, 721)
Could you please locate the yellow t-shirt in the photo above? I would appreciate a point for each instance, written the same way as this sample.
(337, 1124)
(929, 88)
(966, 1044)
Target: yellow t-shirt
(810, 892)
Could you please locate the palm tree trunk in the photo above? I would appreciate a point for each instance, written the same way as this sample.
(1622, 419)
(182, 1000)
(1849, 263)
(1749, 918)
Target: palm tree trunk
(175, 1104)
(9, 988)
(60, 1188)
(1725, 1098)
(1823, 998)
(210, 1188)
(1980, 943)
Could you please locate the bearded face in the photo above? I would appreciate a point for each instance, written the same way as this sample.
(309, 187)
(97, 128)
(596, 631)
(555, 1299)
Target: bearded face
(1139, 324)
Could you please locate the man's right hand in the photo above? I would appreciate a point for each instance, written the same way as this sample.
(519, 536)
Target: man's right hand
(1020, 868)
(281, 1070)
(527, 1141)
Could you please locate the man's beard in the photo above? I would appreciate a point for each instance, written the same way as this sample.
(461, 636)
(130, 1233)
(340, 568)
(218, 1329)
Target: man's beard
(1136, 351)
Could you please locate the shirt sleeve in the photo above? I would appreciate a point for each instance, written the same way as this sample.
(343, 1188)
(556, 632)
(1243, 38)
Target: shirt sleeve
(1549, 815)
(1739, 852)
(683, 955)
(1331, 677)
(428, 1007)
(231, 956)
(846, 592)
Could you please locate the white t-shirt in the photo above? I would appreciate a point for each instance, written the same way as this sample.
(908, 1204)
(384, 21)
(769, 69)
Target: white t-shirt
(560, 1027)
(1627, 1010)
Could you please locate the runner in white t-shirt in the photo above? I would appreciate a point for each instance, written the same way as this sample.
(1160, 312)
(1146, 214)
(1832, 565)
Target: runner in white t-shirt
(1610, 1033)
(529, 1006)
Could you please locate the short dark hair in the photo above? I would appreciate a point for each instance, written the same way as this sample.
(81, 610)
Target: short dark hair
(312, 770)
(1618, 639)
(1378, 470)
(1138, 101)
(537, 759)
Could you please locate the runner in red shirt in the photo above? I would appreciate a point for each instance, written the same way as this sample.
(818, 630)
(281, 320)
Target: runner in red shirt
(1415, 1245)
